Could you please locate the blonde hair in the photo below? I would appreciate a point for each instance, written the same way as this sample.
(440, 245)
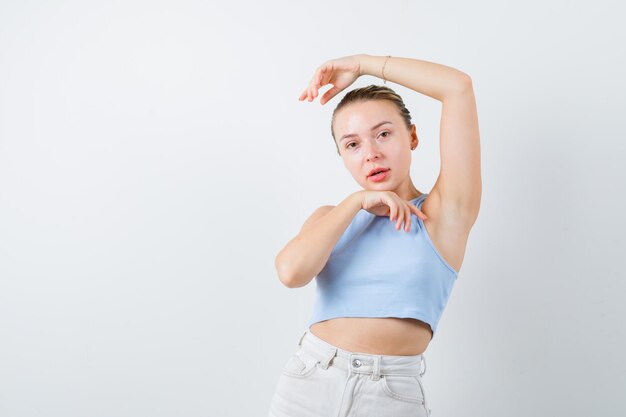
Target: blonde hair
(371, 92)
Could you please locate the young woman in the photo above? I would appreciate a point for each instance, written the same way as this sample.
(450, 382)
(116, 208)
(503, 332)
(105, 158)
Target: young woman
(382, 278)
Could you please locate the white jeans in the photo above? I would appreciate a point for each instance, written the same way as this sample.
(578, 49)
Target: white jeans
(322, 380)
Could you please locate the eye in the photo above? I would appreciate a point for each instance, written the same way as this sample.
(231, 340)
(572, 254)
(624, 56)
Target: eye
(351, 143)
(386, 133)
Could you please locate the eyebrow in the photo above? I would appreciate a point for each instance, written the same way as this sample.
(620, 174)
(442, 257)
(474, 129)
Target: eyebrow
(350, 135)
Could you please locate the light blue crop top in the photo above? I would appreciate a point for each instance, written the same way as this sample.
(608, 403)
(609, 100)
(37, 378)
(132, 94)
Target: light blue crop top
(375, 270)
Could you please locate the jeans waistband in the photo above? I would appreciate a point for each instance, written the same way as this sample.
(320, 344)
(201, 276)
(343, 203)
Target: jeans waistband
(357, 362)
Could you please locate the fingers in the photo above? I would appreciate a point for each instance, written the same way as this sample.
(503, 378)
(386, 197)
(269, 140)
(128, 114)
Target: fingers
(311, 91)
(317, 81)
(329, 94)
(407, 224)
(307, 94)
(402, 214)
(393, 211)
(407, 217)
(401, 217)
(418, 212)
(321, 78)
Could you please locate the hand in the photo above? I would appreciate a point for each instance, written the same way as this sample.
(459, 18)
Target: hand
(340, 72)
(388, 203)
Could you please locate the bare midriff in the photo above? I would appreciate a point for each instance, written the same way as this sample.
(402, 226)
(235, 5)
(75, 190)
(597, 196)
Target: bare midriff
(375, 335)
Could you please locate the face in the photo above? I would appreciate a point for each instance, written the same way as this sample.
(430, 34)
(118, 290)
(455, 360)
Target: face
(365, 142)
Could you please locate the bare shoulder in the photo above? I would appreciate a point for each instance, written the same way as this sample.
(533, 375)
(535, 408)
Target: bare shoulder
(446, 228)
(317, 214)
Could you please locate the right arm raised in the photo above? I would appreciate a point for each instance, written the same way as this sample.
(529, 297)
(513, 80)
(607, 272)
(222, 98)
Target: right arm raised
(305, 255)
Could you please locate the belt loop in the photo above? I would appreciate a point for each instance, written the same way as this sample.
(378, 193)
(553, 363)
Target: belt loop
(376, 367)
(324, 364)
(422, 360)
(302, 337)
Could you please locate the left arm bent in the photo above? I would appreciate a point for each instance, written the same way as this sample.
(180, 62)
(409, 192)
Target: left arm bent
(459, 185)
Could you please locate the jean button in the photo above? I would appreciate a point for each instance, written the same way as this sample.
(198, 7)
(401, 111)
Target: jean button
(356, 363)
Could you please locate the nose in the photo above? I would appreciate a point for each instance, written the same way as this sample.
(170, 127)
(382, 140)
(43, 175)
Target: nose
(372, 153)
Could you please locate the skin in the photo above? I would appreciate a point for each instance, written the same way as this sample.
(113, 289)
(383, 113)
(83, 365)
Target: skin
(453, 203)
(389, 146)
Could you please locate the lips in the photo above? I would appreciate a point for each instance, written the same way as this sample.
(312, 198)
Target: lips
(376, 170)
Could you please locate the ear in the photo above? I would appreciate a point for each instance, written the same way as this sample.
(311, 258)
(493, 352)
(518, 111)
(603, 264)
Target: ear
(414, 138)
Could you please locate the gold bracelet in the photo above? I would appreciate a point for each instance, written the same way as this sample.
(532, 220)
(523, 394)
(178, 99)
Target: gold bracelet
(388, 56)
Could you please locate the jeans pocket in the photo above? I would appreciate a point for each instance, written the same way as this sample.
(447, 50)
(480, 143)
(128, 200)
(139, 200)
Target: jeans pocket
(300, 365)
(404, 388)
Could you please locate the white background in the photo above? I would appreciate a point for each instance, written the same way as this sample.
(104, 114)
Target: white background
(154, 158)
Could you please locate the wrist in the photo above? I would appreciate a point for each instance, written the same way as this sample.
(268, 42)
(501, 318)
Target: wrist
(357, 199)
(371, 65)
